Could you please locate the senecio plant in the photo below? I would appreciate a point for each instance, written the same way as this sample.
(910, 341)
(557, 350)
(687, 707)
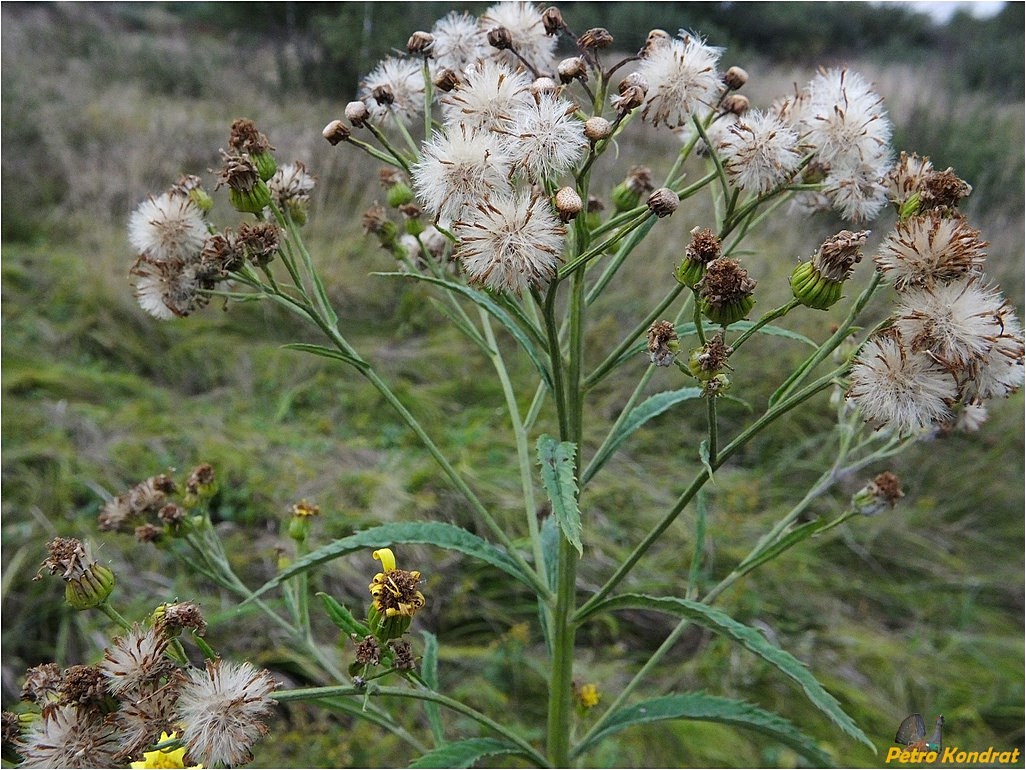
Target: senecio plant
(488, 140)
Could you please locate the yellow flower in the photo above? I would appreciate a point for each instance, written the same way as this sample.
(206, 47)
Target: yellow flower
(395, 597)
(589, 695)
(164, 757)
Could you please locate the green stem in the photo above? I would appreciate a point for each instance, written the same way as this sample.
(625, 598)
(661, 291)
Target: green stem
(523, 451)
(626, 691)
(616, 355)
(831, 344)
(635, 238)
(772, 315)
(539, 585)
(388, 146)
(320, 693)
(615, 429)
(374, 152)
(457, 480)
(718, 164)
(582, 259)
(714, 432)
(106, 608)
(220, 572)
(571, 427)
(699, 481)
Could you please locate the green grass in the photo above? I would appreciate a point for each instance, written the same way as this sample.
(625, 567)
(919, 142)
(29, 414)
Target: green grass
(917, 609)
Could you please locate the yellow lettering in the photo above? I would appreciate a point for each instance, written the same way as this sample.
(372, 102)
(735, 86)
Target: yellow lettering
(930, 756)
(949, 754)
(892, 753)
(1015, 756)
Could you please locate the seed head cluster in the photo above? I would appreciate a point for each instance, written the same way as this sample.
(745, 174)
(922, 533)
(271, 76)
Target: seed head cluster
(138, 695)
(953, 341)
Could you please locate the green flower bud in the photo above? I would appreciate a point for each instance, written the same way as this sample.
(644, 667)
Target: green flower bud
(91, 588)
(399, 194)
(299, 521)
(251, 201)
(706, 362)
(201, 198)
(625, 198)
(296, 211)
(689, 272)
(265, 164)
(386, 627)
(695, 368)
(299, 528)
(812, 288)
(910, 206)
(87, 582)
(703, 248)
(415, 226)
(819, 282)
(728, 312)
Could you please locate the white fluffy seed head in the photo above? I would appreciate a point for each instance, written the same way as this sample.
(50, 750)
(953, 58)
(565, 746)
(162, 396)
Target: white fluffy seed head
(759, 152)
(510, 244)
(167, 227)
(459, 169)
(897, 387)
(682, 79)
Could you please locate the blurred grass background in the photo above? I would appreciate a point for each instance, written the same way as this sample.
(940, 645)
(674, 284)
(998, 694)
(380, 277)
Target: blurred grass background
(920, 609)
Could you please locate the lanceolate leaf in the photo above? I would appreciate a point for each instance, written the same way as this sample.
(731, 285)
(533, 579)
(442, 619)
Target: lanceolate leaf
(750, 638)
(651, 407)
(320, 350)
(497, 312)
(434, 533)
(464, 753)
(710, 708)
(429, 673)
(557, 474)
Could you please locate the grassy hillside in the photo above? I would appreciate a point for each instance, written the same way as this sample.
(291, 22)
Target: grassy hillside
(920, 609)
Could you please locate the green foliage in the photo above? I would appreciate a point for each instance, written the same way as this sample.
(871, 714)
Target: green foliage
(557, 460)
(895, 613)
(751, 640)
(464, 753)
(434, 533)
(713, 709)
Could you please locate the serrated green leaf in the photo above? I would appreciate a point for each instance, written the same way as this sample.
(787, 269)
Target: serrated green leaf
(342, 617)
(464, 753)
(429, 673)
(436, 533)
(556, 459)
(550, 549)
(711, 708)
(527, 340)
(748, 637)
(651, 407)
